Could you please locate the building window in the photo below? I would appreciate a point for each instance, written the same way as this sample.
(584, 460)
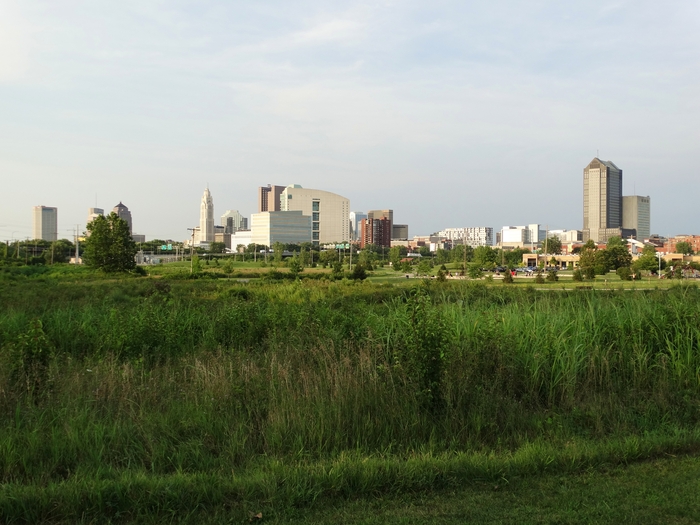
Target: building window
(315, 227)
(315, 215)
(315, 205)
(314, 236)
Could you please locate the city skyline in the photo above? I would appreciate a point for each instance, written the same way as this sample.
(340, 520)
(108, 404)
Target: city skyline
(450, 114)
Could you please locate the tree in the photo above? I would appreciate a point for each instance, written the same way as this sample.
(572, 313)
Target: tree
(441, 256)
(396, 253)
(684, 247)
(587, 259)
(423, 267)
(295, 266)
(648, 260)
(358, 272)
(278, 248)
(553, 245)
(485, 256)
(217, 247)
(109, 246)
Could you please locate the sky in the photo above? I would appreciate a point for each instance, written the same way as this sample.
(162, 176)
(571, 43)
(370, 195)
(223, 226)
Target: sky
(451, 113)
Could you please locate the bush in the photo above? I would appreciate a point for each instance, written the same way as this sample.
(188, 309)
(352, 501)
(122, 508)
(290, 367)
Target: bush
(578, 275)
(552, 276)
(624, 273)
(507, 277)
(539, 279)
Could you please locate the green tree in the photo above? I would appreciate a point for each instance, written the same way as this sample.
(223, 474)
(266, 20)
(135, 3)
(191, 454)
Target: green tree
(552, 245)
(485, 256)
(684, 247)
(423, 267)
(474, 271)
(648, 261)
(109, 246)
(295, 266)
(424, 251)
(278, 248)
(358, 272)
(217, 247)
(441, 256)
(396, 253)
(587, 259)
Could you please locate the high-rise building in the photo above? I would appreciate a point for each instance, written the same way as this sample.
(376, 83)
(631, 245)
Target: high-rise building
(93, 213)
(329, 212)
(269, 198)
(399, 232)
(636, 216)
(206, 218)
(376, 232)
(45, 223)
(602, 200)
(123, 213)
(287, 227)
(474, 236)
(355, 219)
(232, 221)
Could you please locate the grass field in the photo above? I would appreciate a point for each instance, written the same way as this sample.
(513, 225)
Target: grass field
(159, 398)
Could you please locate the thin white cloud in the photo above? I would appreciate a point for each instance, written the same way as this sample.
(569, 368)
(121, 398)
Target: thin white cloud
(15, 43)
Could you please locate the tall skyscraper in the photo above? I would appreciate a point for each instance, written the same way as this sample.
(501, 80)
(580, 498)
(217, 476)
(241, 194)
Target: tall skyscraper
(636, 216)
(355, 229)
(329, 212)
(602, 200)
(45, 223)
(376, 232)
(123, 213)
(269, 198)
(233, 221)
(206, 218)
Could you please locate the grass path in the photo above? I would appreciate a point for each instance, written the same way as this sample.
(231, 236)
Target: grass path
(662, 491)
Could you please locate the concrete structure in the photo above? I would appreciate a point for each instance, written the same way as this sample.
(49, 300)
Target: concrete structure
(329, 213)
(636, 215)
(46, 223)
(376, 232)
(241, 237)
(93, 213)
(269, 198)
(233, 221)
(123, 213)
(602, 200)
(206, 218)
(567, 236)
(355, 219)
(399, 231)
(521, 236)
(476, 236)
(287, 227)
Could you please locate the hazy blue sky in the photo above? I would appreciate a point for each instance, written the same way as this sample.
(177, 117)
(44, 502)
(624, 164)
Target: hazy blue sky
(453, 113)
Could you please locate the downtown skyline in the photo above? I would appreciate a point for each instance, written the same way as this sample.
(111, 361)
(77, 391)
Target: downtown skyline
(450, 115)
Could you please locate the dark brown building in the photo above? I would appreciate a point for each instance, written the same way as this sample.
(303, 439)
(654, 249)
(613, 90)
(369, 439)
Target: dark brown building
(375, 231)
(269, 198)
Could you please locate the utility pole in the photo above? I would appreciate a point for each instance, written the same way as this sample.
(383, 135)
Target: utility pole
(191, 250)
(350, 256)
(77, 243)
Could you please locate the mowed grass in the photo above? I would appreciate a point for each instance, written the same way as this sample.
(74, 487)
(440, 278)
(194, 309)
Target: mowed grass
(661, 491)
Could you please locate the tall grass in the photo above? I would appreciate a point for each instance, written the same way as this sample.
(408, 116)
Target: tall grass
(101, 379)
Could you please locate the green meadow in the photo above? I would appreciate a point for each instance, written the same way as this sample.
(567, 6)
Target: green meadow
(166, 399)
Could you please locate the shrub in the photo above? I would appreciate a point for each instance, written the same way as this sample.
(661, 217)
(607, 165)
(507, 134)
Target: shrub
(552, 276)
(624, 273)
(578, 275)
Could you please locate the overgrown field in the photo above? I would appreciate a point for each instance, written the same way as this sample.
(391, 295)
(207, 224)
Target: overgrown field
(144, 399)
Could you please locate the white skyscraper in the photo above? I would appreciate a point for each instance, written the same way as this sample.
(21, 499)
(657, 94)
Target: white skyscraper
(45, 223)
(206, 218)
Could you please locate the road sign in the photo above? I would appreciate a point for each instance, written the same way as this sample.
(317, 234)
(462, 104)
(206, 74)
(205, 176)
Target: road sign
(170, 246)
(163, 247)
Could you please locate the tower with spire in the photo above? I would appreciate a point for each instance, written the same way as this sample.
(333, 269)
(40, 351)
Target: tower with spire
(206, 217)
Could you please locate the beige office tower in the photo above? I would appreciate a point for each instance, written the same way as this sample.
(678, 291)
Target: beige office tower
(329, 213)
(206, 218)
(123, 213)
(602, 201)
(269, 198)
(45, 223)
(636, 215)
(93, 213)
